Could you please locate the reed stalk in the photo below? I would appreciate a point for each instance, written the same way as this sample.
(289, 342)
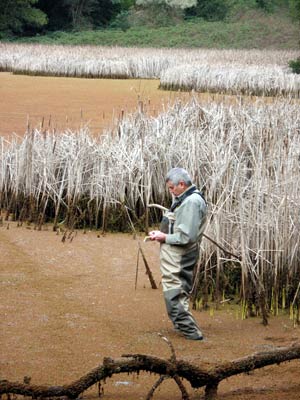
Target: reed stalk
(244, 156)
(251, 72)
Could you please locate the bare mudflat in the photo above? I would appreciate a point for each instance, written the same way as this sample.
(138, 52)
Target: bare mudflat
(71, 103)
(66, 306)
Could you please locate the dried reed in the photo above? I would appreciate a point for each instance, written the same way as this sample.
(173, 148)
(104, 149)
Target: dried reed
(245, 158)
(246, 72)
(259, 80)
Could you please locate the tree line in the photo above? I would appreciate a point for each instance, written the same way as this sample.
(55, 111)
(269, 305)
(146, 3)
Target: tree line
(31, 17)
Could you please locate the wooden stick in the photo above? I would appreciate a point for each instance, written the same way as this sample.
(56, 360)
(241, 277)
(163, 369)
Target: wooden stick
(148, 270)
(137, 269)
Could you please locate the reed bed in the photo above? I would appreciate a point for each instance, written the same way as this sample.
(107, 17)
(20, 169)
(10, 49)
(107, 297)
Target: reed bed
(251, 72)
(244, 157)
(232, 79)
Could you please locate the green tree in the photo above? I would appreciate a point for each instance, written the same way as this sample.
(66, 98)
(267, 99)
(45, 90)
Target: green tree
(18, 16)
(265, 4)
(210, 10)
(160, 12)
(125, 4)
(79, 14)
(106, 10)
(171, 3)
(294, 6)
(57, 13)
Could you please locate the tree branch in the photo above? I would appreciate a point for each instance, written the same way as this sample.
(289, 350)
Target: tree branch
(175, 369)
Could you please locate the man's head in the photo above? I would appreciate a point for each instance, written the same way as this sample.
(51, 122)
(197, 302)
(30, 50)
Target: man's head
(178, 180)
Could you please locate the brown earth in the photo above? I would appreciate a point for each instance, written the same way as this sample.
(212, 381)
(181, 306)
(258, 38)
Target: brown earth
(69, 103)
(65, 306)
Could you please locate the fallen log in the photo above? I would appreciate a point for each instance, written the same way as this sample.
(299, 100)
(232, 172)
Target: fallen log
(208, 377)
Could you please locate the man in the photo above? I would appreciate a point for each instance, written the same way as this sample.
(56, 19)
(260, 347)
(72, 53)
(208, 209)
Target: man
(180, 235)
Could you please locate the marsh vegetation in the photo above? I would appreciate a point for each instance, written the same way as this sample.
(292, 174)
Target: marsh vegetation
(247, 72)
(245, 157)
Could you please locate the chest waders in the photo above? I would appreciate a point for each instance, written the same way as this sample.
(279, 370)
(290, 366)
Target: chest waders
(177, 265)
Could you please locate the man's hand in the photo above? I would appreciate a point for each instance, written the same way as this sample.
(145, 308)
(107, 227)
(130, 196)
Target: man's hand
(158, 236)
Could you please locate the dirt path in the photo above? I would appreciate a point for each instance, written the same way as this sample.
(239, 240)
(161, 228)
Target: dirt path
(65, 306)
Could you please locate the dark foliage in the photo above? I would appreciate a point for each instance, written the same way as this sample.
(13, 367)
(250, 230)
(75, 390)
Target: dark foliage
(295, 66)
(213, 10)
(78, 14)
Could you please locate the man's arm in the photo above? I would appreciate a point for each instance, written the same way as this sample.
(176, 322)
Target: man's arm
(189, 219)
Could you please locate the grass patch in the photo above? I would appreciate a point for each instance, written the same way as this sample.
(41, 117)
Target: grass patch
(255, 31)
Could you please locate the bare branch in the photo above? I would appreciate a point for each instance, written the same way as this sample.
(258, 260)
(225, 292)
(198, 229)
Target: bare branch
(185, 395)
(155, 386)
(173, 354)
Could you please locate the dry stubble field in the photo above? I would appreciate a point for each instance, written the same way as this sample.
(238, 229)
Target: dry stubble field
(65, 306)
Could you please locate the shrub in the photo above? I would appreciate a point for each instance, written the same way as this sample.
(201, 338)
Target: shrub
(121, 21)
(214, 10)
(295, 65)
(155, 15)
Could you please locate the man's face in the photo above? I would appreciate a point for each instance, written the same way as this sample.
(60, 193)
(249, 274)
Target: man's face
(176, 190)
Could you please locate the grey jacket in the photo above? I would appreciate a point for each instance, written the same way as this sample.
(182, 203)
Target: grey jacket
(190, 218)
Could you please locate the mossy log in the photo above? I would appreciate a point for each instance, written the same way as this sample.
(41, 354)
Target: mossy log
(208, 377)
